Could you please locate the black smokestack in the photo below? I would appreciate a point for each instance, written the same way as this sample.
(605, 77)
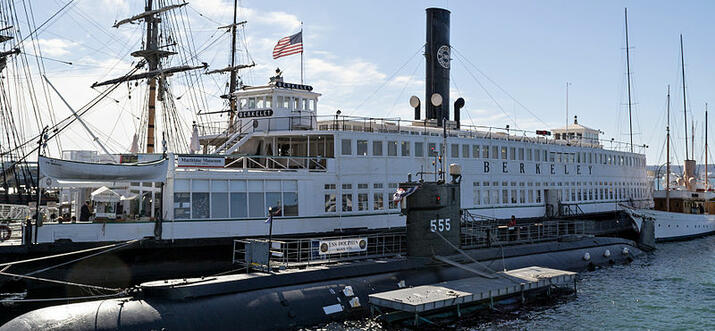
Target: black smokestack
(437, 54)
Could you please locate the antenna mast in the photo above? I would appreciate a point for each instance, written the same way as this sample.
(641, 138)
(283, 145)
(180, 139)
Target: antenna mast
(628, 69)
(685, 113)
(707, 184)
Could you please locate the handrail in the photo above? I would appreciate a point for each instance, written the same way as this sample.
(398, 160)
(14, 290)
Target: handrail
(373, 124)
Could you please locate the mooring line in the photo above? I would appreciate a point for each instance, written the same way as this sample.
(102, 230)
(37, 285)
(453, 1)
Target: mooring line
(67, 254)
(62, 282)
(129, 243)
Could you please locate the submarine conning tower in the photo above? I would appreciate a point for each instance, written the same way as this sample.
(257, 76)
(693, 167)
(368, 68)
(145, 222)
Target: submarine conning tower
(433, 218)
(437, 59)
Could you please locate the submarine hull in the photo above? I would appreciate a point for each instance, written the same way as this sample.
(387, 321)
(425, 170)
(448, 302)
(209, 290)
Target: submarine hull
(312, 302)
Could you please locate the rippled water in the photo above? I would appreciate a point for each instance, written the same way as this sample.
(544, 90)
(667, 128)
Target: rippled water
(671, 288)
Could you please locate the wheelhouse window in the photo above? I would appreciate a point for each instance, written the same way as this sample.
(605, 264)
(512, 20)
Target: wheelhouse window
(405, 148)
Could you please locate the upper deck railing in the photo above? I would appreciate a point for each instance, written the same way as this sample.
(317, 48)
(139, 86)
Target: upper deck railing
(397, 125)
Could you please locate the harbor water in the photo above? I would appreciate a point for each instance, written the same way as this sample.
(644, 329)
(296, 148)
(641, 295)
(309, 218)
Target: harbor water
(672, 288)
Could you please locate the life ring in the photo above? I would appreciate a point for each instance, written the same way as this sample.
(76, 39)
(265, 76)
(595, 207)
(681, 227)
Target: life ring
(5, 232)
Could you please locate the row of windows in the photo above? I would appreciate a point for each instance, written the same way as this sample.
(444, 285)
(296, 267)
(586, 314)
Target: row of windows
(403, 148)
(285, 102)
(495, 193)
(216, 199)
(364, 199)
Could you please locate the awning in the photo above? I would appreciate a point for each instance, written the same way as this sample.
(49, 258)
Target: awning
(105, 194)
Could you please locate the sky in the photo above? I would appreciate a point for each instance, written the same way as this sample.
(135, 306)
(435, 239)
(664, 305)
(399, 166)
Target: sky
(511, 61)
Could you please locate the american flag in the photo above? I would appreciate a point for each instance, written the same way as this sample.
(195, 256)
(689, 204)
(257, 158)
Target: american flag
(289, 45)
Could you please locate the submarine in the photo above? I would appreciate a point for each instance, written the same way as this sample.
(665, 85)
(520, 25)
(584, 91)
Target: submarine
(437, 251)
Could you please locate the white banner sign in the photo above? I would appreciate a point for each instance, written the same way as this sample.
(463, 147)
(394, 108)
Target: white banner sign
(347, 245)
(201, 162)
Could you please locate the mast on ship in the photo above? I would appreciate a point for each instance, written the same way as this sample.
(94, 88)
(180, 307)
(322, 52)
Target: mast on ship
(707, 184)
(628, 76)
(232, 68)
(667, 155)
(689, 169)
(152, 55)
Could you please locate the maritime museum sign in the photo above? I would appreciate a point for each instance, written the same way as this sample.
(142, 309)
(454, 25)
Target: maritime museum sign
(200, 162)
(346, 245)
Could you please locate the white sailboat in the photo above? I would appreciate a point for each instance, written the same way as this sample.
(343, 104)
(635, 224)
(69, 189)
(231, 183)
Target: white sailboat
(685, 211)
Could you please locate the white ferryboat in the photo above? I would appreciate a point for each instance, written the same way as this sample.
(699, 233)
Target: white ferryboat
(337, 174)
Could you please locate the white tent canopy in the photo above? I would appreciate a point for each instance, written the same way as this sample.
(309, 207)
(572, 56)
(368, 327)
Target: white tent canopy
(105, 194)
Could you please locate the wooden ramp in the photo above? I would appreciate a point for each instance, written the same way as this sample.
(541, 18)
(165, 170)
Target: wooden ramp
(427, 298)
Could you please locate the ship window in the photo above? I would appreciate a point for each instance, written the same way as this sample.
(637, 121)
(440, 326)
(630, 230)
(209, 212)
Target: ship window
(391, 148)
(503, 153)
(378, 202)
(286, 102)
(504, 196)
(551, 156)
(377, 185)
(306, 104)
(296, 104)
(362, 186)
(251, 103)
(528, 154)
(347, 186)
(419, 149)
(512, 153)
(362, 147)
(259, 103)
(405, 148)
(485, 152)
(495, 152)
(531, 196)
(521, 154)
(377, 148)
(269, 101)
(219, 204)
(330, 202)
(475, 151)
(538, 196)
(522, 196)
(238, 204)
(242, 103)
(200, 205)
(346, 147)
(362, 201)
(537, 157)
(347, 202)
(290, 203)
(182, 205)
(465, 151)
(256, 207)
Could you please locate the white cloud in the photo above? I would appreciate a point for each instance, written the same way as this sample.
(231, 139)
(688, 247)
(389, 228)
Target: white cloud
(56, 46)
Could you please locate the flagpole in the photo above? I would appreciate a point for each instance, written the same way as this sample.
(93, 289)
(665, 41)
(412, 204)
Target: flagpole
(301, 53)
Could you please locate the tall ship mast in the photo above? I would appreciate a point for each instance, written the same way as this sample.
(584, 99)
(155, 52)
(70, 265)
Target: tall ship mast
(233, 68)
(152, 56)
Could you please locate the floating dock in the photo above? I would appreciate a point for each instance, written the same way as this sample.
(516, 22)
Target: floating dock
(453, 294)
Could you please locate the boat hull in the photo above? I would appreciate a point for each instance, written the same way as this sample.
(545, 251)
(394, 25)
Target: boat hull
(671, 226)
